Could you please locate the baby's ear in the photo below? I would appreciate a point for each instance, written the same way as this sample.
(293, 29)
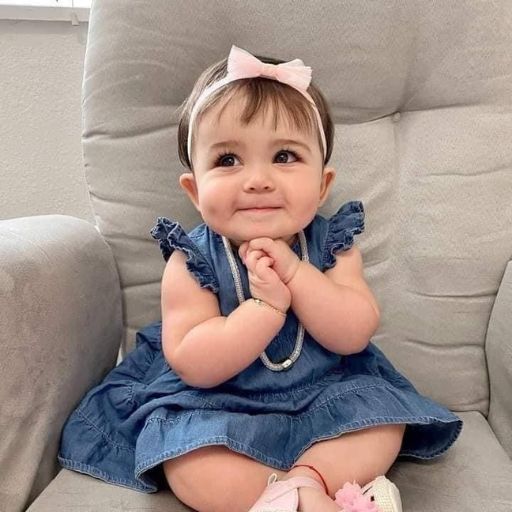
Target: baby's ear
(327, 182)
(189, 185)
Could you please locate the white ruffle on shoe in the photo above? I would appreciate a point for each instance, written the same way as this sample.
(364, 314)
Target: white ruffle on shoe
(384, 493)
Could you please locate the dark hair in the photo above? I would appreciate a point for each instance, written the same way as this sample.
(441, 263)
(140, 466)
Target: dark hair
(259, 93)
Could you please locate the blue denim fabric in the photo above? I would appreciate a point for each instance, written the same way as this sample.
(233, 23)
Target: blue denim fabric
(143, 413)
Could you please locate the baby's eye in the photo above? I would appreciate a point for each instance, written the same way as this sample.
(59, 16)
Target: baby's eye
(226, 160)
(281, 157)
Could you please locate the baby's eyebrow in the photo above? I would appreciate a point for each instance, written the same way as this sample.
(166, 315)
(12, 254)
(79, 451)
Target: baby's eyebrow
(230, 142)
(274, 142)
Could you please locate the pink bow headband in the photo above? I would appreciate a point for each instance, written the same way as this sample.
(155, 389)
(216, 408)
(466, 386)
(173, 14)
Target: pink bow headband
(241, 64)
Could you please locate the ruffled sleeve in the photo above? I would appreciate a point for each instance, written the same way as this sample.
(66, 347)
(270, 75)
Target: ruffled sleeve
(171, 236)
(343, 225)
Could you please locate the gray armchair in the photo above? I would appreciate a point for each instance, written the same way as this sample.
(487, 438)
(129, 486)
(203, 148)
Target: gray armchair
(422, 99)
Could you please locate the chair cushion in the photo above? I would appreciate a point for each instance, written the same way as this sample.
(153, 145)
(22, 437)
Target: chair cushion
(60, 330)
(420, 97)
(474, 476)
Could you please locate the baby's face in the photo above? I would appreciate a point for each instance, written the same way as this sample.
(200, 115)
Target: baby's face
(253, 181)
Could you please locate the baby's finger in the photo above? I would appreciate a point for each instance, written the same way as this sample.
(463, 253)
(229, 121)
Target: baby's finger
(263, 270)
(264, 243)
(252, 258)
(242, 251)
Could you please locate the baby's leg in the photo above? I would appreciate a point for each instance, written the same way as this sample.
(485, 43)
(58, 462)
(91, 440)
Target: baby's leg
(357, 456)
(216, 479)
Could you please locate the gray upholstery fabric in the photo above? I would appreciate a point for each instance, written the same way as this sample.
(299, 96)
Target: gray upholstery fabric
(60, 329)
(421, 96)
(499, 361)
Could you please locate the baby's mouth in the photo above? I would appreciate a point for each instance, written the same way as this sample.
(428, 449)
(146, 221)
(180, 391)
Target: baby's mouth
(264, 209)
(260, 209)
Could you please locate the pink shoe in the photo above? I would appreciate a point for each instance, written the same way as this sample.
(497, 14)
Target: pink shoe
(283, 495)
(380, 495)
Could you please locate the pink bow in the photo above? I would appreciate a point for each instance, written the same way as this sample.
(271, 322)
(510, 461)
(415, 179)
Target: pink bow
(241, 64)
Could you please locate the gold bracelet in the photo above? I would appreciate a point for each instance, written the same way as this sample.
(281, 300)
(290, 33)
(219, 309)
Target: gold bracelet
(263, 303)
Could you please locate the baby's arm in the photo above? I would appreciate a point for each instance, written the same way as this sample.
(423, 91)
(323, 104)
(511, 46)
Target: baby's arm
(203, 347)
(342, 313)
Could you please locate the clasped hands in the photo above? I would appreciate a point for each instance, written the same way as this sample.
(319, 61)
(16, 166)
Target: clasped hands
(271, 265)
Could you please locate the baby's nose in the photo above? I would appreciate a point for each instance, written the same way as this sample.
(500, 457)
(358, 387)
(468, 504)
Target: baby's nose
(259, 180)
(258, 186)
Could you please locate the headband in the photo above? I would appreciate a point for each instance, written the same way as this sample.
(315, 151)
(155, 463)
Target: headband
(241, 64)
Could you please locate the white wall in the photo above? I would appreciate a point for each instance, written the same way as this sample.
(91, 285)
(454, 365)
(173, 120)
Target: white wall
(41, 171)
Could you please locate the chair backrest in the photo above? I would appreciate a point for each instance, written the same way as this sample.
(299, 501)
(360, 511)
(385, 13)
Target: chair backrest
(422, 100)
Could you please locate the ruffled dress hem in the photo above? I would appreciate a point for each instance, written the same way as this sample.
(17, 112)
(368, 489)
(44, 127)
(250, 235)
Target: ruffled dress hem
(160, 433)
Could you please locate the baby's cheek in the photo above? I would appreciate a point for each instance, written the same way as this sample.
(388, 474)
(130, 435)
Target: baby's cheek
(210, 207)
(214, 215)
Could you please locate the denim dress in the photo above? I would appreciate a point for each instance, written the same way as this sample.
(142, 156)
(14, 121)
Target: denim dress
(143, 413)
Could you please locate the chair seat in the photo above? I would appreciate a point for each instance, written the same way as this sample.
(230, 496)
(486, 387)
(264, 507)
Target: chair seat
(475, 475)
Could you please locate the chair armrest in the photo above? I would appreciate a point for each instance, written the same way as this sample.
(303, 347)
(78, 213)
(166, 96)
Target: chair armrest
(498, 347)
(60, 330)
